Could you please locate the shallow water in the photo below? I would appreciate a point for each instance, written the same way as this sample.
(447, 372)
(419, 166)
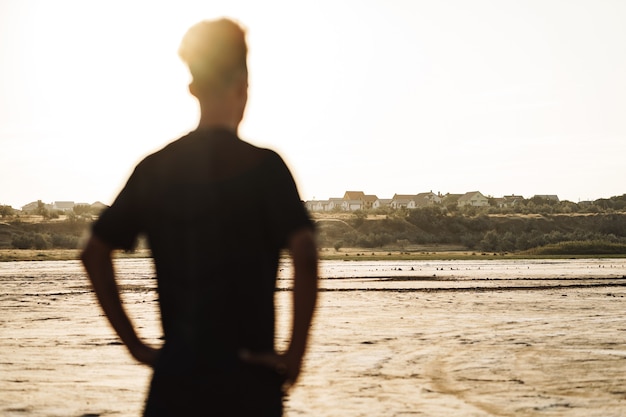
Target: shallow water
(391, 338)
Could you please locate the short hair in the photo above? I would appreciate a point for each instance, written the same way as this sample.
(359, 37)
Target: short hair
(215, 51)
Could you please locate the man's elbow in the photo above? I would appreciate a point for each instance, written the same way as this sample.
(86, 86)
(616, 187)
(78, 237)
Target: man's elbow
(303, 248)
(94, 251)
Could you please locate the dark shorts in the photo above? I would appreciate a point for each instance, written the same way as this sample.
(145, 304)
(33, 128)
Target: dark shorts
(180, 388)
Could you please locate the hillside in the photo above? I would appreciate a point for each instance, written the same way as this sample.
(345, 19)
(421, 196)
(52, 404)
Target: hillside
(36, 232)
(6, 233)
(512, 232)
(411, 230)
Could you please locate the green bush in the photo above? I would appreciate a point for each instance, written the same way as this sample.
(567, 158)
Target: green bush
(30, 241)
(595, 247)
(64, 241)
(22, 241)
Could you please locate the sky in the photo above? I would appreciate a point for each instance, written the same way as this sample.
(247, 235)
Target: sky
(382, 96)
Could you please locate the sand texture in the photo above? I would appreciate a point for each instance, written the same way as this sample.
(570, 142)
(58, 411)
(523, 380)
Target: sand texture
(390, 339)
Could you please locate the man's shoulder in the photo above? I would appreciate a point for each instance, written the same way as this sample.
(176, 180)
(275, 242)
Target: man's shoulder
(228, 156)
(169, 147)
(254, 158)
(181, 147)
(259, 151)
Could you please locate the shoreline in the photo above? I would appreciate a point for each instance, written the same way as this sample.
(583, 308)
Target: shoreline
(355, 254)
(13, 255)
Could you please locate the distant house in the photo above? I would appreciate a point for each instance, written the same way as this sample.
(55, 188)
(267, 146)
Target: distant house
(30, 207)
(63, 205)
(381, 203)
(317, 205)
(335, 204)
(402, 201)
(474, 199)
(352, 205)
(427, 199)
(353, 195)
(98, 206)
(509, 200)
(452, 196)
(424, 200)
(549, 197)
(419, 202)
(34, 206)
(412, 201)
(366, 201)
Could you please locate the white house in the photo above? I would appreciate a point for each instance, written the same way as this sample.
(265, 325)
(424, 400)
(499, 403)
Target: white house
(402, 201)
(381, 202)
(427, 199)
(335, 204)
(473, 198)
(63, 205)
(317, 205)
(352, 205)
(509, 200)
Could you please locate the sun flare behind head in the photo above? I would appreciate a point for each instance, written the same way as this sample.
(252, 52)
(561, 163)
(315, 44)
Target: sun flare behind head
(81, 78)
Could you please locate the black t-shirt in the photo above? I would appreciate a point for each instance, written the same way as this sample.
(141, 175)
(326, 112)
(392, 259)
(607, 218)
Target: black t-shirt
(216, 212)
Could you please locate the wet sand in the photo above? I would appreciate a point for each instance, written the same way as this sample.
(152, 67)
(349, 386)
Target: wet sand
(454, 344)
(521, 353)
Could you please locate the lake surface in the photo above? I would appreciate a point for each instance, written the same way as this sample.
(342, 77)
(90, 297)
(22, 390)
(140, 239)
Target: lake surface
(390, 338)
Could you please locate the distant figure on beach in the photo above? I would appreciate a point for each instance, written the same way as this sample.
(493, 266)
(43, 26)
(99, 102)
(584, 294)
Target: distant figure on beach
(216, 212)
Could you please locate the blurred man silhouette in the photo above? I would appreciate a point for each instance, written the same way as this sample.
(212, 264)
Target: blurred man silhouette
(217, 212)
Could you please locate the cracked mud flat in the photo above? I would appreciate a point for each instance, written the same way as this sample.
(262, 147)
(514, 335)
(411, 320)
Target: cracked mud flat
(495, 338)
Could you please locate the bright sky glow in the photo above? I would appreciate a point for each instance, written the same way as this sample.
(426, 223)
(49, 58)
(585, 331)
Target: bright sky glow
(381, 96)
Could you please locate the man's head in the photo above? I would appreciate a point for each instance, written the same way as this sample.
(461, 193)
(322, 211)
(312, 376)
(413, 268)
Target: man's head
(215, 52)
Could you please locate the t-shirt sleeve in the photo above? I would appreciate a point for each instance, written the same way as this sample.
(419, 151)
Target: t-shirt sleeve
(120, 224)
(285, 211)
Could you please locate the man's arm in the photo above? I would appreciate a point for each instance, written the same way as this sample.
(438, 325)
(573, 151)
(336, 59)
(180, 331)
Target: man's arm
(98, 263)
(304, 253)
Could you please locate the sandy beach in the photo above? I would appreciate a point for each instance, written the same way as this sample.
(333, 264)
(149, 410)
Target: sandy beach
(514, 340)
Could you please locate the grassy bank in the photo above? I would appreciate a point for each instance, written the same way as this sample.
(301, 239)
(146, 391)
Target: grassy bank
(355, 254)
(7, 255)
(361, 255)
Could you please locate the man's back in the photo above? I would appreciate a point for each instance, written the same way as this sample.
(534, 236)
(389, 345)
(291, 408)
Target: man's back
(216, 212)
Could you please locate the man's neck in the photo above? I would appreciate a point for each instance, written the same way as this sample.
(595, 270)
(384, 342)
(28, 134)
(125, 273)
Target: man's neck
(206, 124)
(214, 115)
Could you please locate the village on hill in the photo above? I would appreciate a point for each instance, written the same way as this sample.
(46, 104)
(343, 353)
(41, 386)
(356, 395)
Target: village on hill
(470, 221)
(61, 206)
(354, 201)
(351, 201)
(358, 200)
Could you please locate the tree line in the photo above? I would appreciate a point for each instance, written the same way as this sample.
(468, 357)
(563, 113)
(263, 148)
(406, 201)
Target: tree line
(56, 229)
